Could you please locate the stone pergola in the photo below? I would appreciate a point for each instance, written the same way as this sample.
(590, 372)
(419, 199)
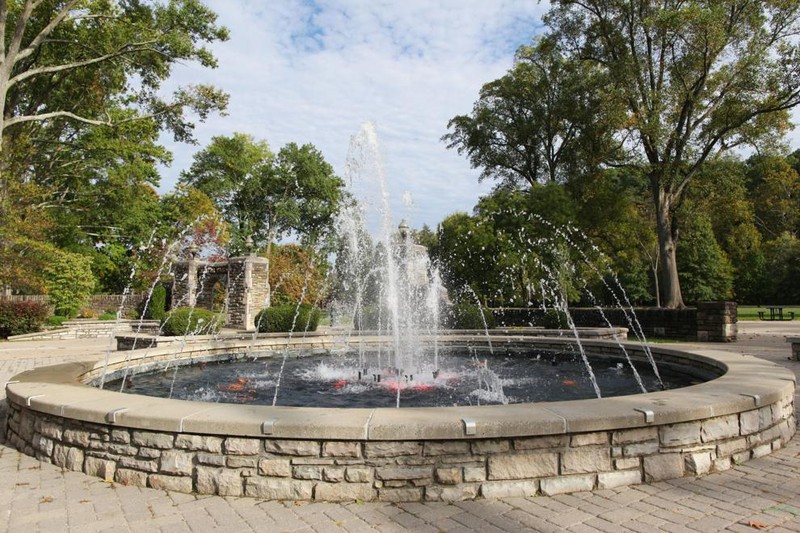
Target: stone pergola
(245, 280)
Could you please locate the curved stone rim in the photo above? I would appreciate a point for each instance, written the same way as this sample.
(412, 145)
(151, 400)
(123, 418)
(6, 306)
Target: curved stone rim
(747, 383)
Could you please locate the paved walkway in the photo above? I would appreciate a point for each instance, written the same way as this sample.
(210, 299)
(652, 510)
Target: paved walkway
(760, 494)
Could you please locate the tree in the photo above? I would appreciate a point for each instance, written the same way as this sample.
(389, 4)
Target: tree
(223, 171)
(266, 196)
(721, 196)
(68, 282)
(263, 195)
(189, 208)
(540, 122)
(91, 50)
(614, 215)
(782, 262)
(696, 78)
(776, 195)
(82, 111)
(296, 276)
(706, 272)
(509, 244)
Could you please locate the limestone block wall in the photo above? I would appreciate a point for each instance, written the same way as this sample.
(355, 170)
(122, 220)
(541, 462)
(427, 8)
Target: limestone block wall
(90, 329)
(716, 321)
(248, 288)
(408, 470)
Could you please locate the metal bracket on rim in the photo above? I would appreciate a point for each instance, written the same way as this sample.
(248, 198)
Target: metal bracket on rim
(29, 398)
(470, 426)
(756, 398)
(111, 416)
(649, 415)
(268, 426)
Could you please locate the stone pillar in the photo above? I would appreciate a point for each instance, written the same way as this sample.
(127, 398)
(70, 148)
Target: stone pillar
(716, 321)
(184, 286)
(248, 288)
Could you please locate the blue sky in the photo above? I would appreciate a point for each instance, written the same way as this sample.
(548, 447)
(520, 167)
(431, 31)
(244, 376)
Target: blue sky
(315, 71)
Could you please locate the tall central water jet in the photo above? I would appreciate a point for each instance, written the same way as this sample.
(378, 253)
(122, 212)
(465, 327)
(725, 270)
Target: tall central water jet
(391, 286)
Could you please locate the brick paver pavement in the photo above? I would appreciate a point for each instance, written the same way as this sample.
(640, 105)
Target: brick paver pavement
(760, 494)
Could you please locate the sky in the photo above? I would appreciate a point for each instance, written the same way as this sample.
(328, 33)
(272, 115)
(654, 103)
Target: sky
(314, 72)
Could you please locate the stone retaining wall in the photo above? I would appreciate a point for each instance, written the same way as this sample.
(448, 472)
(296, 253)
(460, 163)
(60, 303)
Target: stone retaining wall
(410, 470)
(97, 302)
(795, 343)
(91, 329)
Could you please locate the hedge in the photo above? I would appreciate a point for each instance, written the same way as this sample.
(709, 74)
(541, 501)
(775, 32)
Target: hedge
(191, 321)
(281, 318)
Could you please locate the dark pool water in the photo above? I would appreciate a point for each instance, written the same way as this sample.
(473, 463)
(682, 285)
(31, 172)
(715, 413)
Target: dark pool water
(464, 378)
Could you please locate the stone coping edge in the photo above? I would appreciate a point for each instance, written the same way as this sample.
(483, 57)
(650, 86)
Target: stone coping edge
(746, 383)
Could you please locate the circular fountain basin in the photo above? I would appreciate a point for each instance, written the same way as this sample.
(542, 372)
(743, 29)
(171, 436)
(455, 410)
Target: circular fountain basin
(460, 376)
(388, 454)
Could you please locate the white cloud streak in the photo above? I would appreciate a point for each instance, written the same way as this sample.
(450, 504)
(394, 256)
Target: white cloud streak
(314, 71)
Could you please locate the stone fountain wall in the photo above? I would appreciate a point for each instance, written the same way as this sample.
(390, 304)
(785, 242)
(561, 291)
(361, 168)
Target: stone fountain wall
(403, 470)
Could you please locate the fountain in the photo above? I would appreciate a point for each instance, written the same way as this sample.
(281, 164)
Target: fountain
(734, 407)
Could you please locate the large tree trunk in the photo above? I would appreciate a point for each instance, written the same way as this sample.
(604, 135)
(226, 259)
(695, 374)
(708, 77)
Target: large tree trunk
(667, 240)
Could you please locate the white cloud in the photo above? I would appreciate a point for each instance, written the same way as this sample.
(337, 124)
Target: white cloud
(314, 71)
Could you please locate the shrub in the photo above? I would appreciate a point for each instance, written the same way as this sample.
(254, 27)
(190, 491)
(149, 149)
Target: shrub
(17, 318)
(555, 319)
(107, 315)
(55, 321)
(281, 318)
(86, 312)
(468, 316)
(69, 282)
(191, 321)
(157, 307)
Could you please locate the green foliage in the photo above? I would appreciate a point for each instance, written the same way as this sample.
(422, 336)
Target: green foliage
(55, 321)
(266, 195)
(107, 316)
(706, 273)
(543, 121)
(285, 318)
(676, 84)
(18, 318)
(157, 307)
(191, 321)
(278, 298)
(466, 315)
(509, 244)
(68, 282)
(555, 319)
(296, 274)
(83, 111)
(781, 283)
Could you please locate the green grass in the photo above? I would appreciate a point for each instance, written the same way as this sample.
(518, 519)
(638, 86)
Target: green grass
(750, 312)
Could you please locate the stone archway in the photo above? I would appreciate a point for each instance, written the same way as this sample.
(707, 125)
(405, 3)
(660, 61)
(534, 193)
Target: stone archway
(245, 280)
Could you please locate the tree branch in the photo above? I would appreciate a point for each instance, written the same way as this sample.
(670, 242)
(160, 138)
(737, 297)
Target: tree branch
(55, 114)
(47, 30)
(3, 20)
(127, 49)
